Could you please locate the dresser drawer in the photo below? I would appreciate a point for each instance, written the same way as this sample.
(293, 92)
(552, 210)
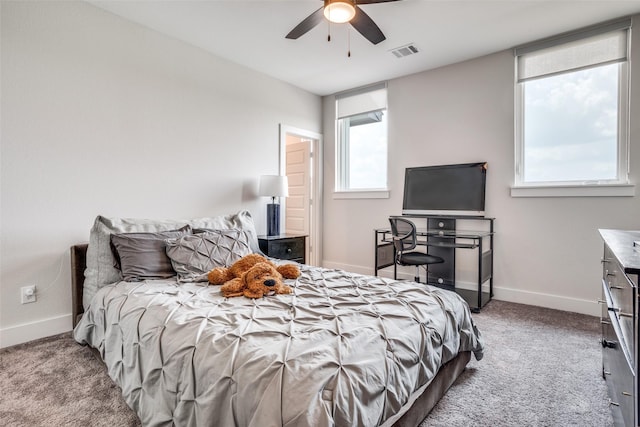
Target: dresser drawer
(291, 248)
(619, 285)
(613, 371)
(621, 298)
(618, 301)
(619, 377)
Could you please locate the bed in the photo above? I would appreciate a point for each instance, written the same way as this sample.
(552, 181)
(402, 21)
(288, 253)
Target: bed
(343, 350)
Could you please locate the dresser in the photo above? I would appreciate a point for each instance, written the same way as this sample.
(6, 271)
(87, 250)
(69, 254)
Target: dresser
(285, 246)
(620, 270)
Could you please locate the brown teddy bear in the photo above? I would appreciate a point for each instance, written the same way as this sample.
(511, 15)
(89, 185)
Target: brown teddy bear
(253, 276)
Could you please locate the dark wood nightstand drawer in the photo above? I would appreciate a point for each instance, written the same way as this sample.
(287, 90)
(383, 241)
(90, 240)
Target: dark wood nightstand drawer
(283, 247)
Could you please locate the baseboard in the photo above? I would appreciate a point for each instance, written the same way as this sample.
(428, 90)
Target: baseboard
(556, 302)
(346, 267)
(32, 331)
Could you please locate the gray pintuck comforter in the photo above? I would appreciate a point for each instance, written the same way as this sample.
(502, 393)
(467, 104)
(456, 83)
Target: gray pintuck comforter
(343, 350)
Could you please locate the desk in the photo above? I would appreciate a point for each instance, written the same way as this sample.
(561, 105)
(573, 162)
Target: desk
(440, 236)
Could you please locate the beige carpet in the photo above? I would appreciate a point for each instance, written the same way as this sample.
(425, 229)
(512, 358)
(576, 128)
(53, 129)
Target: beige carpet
(541, 368)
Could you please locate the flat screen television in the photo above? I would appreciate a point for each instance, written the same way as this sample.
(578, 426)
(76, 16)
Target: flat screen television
(445, 190)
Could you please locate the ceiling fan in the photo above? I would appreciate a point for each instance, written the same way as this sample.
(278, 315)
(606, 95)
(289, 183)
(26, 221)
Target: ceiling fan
(341, 11)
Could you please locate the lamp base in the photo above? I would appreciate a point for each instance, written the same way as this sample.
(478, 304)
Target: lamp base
(273, 219)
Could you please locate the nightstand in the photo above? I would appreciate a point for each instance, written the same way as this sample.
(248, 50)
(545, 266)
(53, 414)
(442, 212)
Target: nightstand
(285, 246)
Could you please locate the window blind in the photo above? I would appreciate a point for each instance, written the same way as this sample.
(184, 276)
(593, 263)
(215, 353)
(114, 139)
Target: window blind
(363, 100)
(586, 48)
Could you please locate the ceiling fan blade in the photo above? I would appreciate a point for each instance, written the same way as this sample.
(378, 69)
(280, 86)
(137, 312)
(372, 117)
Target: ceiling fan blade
(365, 26)
(374, 1)
(307, 24)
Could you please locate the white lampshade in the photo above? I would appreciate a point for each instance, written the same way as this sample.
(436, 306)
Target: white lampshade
(339, 11)
(273, 186)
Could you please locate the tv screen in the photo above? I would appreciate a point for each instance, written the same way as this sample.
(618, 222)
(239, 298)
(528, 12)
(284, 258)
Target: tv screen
(445, 190)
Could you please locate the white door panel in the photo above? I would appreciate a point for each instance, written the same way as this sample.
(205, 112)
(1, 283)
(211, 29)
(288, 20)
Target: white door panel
(298, 170)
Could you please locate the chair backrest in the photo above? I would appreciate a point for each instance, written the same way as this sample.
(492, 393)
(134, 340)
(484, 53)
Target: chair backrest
(404, 234)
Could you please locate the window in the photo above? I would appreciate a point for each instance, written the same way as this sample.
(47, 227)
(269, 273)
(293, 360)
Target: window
(361, 143)
(572, 109)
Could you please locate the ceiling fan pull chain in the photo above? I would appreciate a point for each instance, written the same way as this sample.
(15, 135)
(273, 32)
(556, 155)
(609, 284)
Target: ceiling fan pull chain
(329, 32)
(348, 42)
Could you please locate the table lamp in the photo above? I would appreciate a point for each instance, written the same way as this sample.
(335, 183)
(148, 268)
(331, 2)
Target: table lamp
(273, 186)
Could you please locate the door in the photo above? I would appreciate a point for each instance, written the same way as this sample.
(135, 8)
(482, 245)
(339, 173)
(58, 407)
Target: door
(301, 161)
(298, 171)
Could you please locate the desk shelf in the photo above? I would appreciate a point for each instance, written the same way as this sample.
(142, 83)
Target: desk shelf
(421, 242)
(450, 245)
(440, 237)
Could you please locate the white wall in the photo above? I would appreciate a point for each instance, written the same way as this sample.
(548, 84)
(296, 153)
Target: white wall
(103, 116)
(547, 250)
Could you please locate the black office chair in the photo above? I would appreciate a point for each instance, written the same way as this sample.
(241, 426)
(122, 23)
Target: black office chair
(404, 241)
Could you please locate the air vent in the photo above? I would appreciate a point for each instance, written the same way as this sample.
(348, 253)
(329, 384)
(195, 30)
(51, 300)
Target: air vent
(402, 51)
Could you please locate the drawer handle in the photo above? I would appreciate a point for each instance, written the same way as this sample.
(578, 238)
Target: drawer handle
(608, 344)
(620, 313)
(607, 373)
(611, 274)
(626, 393)
(603, 260)
(605, 322)
(616, 287)
(601, 301)
(611, 402)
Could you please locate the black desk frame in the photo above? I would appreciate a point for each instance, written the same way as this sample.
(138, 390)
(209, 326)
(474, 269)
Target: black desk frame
(441, 237)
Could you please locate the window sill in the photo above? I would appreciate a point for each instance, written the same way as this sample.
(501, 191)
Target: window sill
(372, 194)
(602, 190)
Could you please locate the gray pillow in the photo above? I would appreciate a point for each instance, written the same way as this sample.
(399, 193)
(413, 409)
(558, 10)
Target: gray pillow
(141, 256)
(193, 256)
(163, 235)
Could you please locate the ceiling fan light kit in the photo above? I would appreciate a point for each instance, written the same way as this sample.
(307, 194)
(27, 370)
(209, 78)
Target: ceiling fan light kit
(343, 11)
(339, 11)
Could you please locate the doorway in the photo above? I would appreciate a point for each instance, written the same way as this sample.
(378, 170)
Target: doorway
(301, 162)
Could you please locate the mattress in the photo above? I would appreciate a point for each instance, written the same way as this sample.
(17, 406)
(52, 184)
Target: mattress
(344, 349)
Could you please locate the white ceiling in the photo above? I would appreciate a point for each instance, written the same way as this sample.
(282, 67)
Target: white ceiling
(252, 33)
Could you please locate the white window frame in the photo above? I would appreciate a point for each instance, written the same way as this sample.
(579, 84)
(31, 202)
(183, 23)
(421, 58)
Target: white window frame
(615, 187)
(342, 190)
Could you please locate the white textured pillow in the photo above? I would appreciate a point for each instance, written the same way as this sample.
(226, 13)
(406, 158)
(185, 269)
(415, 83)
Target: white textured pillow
(100, 269)
(193, 256)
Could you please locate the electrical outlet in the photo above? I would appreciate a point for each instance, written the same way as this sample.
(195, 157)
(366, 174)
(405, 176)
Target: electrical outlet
(28, 294)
